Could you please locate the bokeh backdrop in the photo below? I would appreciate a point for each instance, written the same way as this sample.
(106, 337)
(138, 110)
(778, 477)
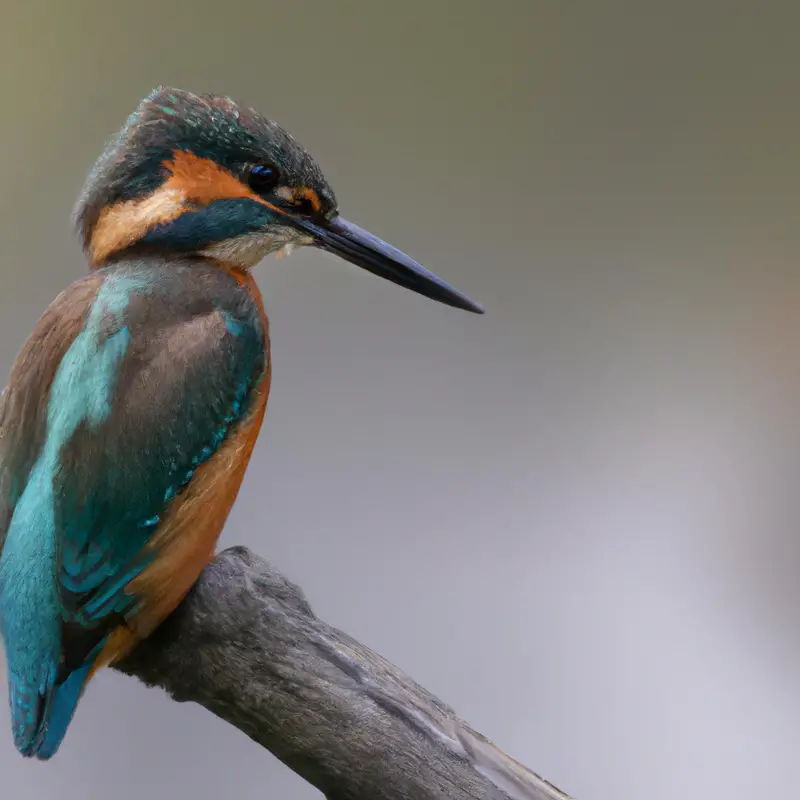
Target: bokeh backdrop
(576, 518)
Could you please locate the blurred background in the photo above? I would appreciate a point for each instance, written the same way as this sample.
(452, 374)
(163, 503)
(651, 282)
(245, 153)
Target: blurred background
(574, 519)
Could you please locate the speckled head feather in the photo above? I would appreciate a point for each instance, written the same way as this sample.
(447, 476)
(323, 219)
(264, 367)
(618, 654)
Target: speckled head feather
(208, 126)
(200, 176)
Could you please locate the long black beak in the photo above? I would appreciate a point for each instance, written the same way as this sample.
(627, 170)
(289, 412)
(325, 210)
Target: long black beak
(361, 248)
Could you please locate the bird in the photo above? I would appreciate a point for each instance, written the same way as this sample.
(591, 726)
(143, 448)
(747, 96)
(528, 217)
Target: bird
(132, 409)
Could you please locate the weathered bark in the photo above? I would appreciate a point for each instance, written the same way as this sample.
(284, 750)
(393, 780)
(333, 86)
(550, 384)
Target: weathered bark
(246, 645)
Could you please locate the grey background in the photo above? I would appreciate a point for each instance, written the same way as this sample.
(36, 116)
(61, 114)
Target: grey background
(575, 519)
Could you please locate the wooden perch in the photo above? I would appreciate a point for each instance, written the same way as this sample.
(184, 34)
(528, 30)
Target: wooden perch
(246, 645)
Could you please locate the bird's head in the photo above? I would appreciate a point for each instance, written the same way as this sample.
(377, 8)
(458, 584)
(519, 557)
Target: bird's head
(204, 176)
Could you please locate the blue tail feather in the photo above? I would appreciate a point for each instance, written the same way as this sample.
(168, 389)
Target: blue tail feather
(40, 717)
(60, 710)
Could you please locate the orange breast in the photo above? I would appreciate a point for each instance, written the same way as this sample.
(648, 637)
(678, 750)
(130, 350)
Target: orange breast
(187, 536)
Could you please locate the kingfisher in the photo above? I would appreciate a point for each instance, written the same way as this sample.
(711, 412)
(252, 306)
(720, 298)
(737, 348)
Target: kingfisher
(132, 409)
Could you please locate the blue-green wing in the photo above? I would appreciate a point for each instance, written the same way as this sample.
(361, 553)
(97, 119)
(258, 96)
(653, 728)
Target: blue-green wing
(159, 370)
(163, 375)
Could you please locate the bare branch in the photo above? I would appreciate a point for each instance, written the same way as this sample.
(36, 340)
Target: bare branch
(246, 645)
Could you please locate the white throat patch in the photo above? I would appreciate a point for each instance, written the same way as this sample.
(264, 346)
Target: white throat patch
(247, 250)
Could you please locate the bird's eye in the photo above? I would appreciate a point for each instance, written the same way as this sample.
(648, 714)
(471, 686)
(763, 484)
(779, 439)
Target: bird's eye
(263, 177)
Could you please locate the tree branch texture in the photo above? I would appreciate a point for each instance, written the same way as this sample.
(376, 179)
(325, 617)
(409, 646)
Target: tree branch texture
(246, 645)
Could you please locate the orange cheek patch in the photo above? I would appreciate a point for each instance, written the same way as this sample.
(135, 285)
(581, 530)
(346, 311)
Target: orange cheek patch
(193, 182)
(202, 181)
(121, 225)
